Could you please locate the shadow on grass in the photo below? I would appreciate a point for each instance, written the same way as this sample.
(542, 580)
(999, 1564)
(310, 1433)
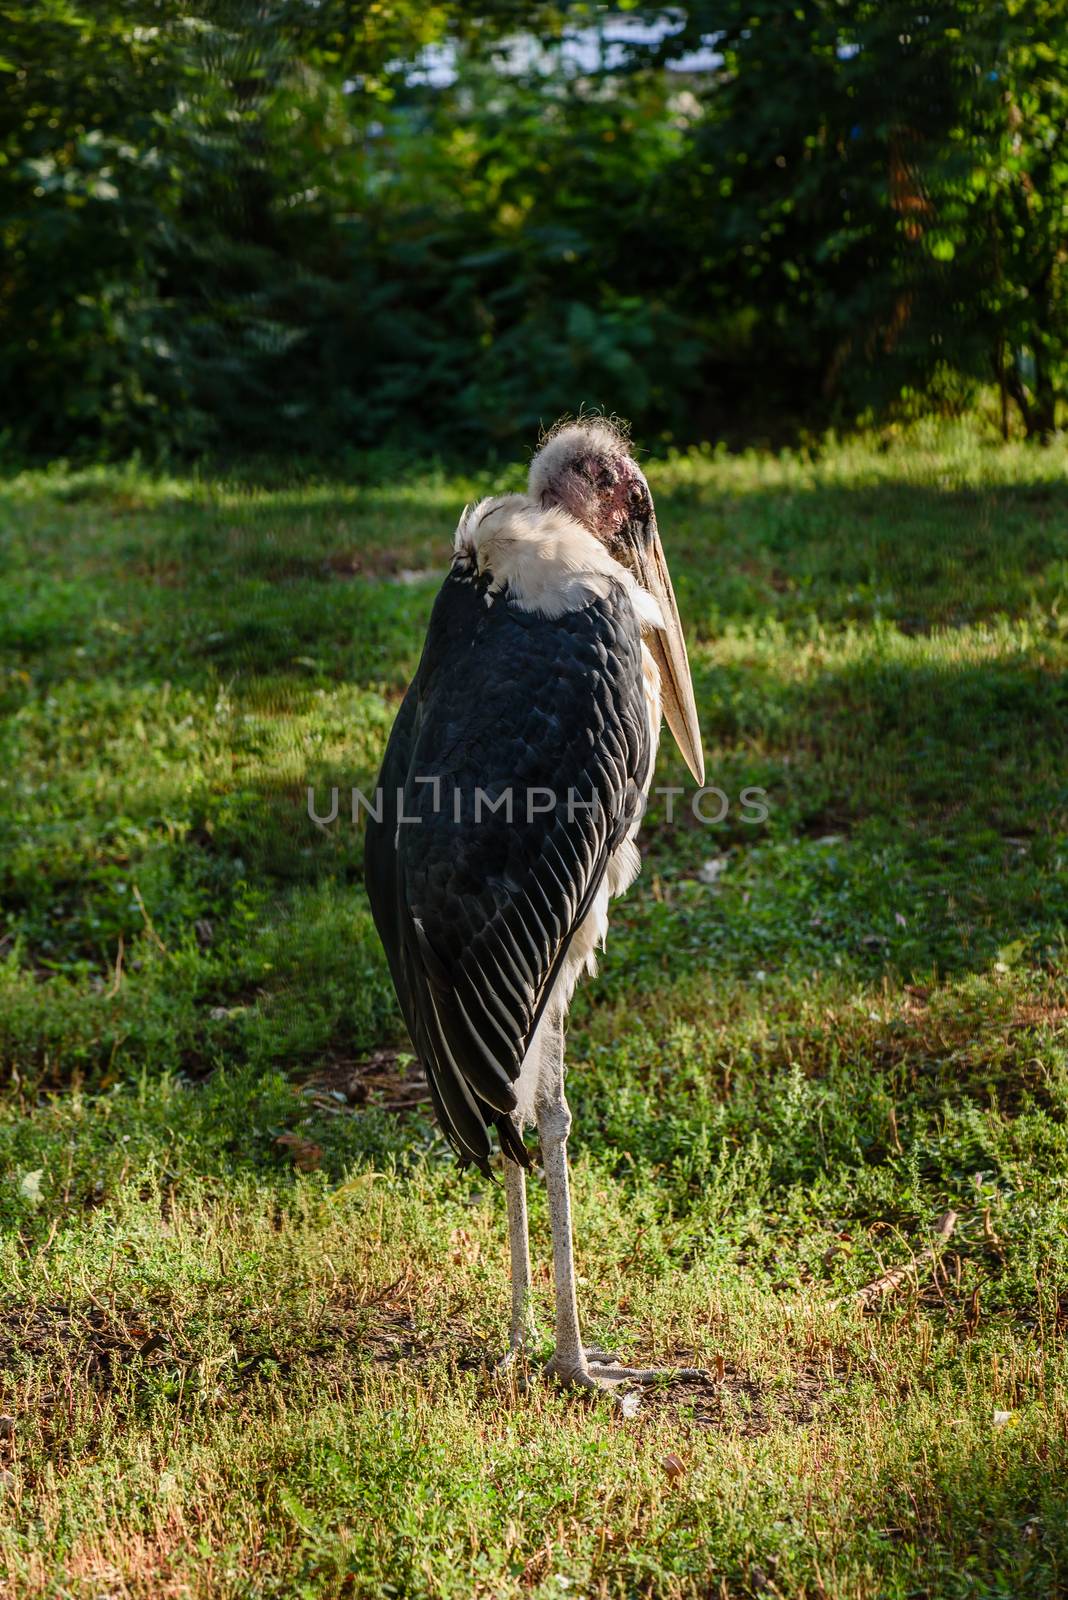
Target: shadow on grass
(914, 556)
(941, 783)
(939, 759)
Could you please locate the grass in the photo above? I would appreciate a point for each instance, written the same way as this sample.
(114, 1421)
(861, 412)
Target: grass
(249, 1304)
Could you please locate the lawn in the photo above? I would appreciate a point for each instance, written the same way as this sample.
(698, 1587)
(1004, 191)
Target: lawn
(249, 1306)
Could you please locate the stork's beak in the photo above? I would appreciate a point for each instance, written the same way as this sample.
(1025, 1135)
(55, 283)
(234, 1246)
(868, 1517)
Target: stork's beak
(668, 649)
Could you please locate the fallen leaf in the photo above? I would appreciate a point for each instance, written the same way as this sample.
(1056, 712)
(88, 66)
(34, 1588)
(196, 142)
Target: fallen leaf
(30, 1187)
(672, 1465)
(462, 1250)
(305, 1155)
(158, 1341)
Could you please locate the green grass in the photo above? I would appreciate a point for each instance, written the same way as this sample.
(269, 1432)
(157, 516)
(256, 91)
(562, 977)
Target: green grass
(232, 1377)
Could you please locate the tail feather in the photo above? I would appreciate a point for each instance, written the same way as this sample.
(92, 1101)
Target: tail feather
(512, 1146)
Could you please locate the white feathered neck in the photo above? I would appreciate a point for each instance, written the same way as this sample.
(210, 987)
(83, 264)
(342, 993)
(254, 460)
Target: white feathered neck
(548, 562)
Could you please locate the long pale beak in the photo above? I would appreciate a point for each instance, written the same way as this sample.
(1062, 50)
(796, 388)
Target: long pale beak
(668, 649)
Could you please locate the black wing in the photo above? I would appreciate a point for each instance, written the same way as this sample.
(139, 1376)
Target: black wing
(475, 884)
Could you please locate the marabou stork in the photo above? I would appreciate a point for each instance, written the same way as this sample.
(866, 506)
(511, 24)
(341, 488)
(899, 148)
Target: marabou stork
(510, 795)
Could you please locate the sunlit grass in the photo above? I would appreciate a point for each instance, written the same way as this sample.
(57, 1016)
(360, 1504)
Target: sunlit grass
(229, 1377)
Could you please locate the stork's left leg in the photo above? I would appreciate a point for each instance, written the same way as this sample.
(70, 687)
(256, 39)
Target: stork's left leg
(522, 1330)
(590, 1369)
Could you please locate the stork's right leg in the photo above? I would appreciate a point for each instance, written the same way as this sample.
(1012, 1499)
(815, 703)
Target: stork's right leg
(522, 1330)
(589, 1369)
(554, 1124)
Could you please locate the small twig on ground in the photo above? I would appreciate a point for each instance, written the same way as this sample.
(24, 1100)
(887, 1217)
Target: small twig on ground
(113, 991)
(53, 1230)
(149, 929)
(892, 1279)
(896, 1146)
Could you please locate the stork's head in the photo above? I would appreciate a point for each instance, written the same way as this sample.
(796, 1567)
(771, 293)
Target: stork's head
(587, 468)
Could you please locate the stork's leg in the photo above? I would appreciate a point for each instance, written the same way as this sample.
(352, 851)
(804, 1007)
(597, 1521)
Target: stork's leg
(521, 1333)
(590, 1369)
(554, 1124)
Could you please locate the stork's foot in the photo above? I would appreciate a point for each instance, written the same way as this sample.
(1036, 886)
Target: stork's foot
(598, 1370)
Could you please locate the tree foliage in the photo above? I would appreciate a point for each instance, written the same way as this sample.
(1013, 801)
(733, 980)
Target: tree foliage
(255, 224)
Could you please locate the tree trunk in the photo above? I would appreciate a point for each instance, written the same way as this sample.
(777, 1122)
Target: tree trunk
(1038, 408)
(1045, 403)
(1015, 386)
(1003, 387)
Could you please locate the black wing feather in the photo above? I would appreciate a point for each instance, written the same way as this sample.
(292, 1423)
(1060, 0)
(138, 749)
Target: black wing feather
(476, 916)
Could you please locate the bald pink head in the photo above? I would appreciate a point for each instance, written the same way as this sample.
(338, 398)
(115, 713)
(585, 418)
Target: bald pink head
(587, 468)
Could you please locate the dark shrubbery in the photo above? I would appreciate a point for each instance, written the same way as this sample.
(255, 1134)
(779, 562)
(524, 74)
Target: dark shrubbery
(236, 228)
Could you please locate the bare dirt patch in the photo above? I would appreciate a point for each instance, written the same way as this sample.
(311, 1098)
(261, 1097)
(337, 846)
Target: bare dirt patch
(88, 1348)
(377, 566)
(90, 1338)
(386, 1080)
(737, 1403)
(727, 1400)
